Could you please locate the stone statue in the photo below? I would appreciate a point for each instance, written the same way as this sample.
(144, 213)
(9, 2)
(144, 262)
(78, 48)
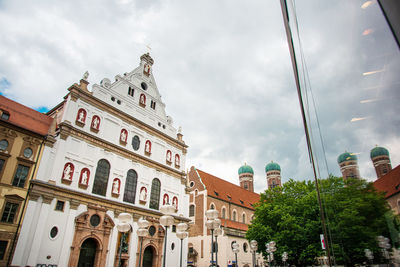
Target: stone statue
(123, 136)
(81, 116)
(148, 149)
(177, 160)
(169, 156)
(95, 123)
(67, 172)
(85, 76)
(115, 188)
(84, 178)
(143, 194)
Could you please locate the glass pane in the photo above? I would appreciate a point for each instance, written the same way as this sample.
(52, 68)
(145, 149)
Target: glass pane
(101, 177)
(130, 186)
(155, 194)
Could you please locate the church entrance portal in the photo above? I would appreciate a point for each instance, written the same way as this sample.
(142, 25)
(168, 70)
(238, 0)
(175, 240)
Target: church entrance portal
(87, 255)
(148, 257)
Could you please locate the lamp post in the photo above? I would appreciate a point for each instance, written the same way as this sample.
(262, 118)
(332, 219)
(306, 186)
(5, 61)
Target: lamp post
(254, 247)
(235, 249)
(123, 226)
(384, 244)
(181, 234)
(271, 248)
(212, 223)
(166, 220)
(142, 232)
(284, 258)
(217, 232)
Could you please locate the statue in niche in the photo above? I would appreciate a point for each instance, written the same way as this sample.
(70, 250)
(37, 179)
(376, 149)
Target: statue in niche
(147, 69)
(166, 199)
(95, 123)
(169, 156)
(142, 99)
(148, 147)
(123, 136)
(84, 177)
(67, 172)
(175, 202)
(81, 116)
(143, 194)
(115, 188)
(177, 160)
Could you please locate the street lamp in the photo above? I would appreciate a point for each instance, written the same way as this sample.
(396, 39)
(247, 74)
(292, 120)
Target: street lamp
(123, 226)
(271, 248)
(384, 244)
(253, 248)
(369, 255)
(181, 234)
(217, 232)
(166, 220)
(212, 223)
(142, 232)
(235, 249)
(284, 258)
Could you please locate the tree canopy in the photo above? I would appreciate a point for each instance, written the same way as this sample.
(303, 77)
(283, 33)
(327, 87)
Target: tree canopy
(289, 215)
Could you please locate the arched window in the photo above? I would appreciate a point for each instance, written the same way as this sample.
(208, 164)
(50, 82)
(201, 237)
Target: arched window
(155, 194)
(191, 210)
(101, 177)
(212, 206)
(244, 218)
(223, 213)
(130, 186)
(234, 215)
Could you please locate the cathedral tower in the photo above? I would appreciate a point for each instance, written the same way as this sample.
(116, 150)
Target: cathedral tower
(246, 177)
(273, 171)
(348, 165)
(380, 159)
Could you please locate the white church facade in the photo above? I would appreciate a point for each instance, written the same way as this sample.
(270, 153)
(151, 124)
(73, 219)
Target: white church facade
(116, 151)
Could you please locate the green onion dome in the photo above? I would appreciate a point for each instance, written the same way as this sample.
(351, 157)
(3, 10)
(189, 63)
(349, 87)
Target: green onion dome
(379, 151)
(272, 166)
(346, 156)
(245, 169)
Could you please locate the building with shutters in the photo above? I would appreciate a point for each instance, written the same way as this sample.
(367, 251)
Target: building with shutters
(115, 151)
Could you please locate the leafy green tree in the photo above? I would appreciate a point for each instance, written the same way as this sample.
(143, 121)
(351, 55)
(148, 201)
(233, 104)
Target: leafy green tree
(290, 216)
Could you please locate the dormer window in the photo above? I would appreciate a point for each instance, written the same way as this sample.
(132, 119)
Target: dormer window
(5, 115)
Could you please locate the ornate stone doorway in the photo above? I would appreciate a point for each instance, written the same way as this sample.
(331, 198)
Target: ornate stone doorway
(87, 256)
(148, 256)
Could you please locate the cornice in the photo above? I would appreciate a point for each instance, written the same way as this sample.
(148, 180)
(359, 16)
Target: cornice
(68, 130)
(76, 92)
(50, 191)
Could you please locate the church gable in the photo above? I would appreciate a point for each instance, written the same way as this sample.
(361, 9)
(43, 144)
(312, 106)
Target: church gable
(136, 94)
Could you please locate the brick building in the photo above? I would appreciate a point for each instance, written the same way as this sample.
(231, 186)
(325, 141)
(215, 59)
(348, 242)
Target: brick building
(235, 206)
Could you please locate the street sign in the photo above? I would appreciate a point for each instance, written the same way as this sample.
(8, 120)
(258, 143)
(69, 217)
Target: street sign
(322, 241)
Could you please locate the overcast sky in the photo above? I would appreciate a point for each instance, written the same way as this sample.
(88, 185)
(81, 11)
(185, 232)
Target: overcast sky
(224, 71)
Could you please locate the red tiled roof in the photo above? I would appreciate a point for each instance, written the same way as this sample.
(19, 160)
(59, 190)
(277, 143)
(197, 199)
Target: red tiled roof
(389, 183)
(25, 117)
(221, 189)
(234, 225)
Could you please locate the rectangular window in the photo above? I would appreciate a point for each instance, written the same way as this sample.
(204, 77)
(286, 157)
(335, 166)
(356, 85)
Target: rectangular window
(153, 104)
(1, 164)
(174, 228)
(3, 248)
(130, 91)
(9, 212)
(20, 176)
(59, 205)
